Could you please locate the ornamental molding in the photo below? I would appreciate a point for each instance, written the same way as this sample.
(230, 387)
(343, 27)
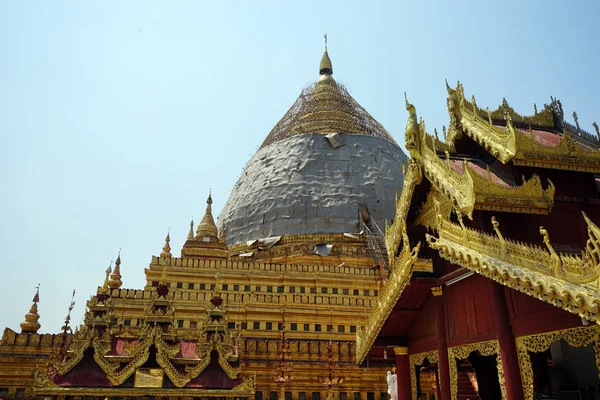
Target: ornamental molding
(567, 281)
(398, 280)
(577, 337)
(416, 360)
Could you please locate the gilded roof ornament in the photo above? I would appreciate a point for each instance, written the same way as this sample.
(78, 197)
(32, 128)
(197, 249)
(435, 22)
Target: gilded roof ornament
(104, 288)
(166, 250)
(325, 67)
(115, 278)
(191, 232)
(31, 324)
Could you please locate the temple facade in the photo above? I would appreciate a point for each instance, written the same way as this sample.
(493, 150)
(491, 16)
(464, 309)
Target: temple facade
(506, 208)
(264, 305)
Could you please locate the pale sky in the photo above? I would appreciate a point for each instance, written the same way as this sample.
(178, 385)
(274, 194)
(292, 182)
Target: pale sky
(117, 118)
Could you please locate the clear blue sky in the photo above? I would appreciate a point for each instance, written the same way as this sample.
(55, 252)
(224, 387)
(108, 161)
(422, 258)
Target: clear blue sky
(117, 117)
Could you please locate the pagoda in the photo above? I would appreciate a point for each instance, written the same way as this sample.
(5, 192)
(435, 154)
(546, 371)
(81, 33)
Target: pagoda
(506, 209)
(265, 302)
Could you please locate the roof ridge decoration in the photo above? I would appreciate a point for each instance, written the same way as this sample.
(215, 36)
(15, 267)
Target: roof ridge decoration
(468, 189)
(509, 143)
(325, 107)
(568, 281)
(399, 279)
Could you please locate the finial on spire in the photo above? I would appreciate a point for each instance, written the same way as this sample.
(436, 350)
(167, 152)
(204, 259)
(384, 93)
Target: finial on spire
(31, 324)
(207, 227)
(66, 328)
(166, 250)
(115, 278)
(191, 232)
(104, 288)
(325, 68)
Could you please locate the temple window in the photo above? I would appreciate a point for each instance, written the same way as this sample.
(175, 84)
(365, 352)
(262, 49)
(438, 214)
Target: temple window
(376, 293)
(288, 395)
(341, 328)
(335, 291)
(180, 323)
(316, 396)
(257, 288)
(343, 396)
(306, 327)
(302, 290)
(236, 287)
(301, 395)
(273, 396)
(383, 396)
(317, 327)
(270, 289)
(346, 291)
(190, 285)
(193, 324)
(294, 327)
(127, 322)
(212, 287)
(202, 286)
(231, 325)
(256, 325)
(370, 396)
(246, 288)
(356, 292)
(280, 326)
(329, 328)
(114, 321)
(179, 285)
(356, 395)
(352, 329)
(20, 393)
(269, 326)
(279, 289)
(366, 292)
(225, 286)
(324, 290)
(244, 325)
(292, 289)
(258, 396)
(313, 290)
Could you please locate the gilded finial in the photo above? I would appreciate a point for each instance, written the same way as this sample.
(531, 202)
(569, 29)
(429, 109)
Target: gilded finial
(115, 278)
(556, 263)
(325, 68)
(31, 324)
(104, 288)
(166, 250)
(191, 232)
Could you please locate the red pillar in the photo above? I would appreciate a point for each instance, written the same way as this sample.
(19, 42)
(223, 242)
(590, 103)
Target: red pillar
(443, 362)
(506, 342)
(403, 373)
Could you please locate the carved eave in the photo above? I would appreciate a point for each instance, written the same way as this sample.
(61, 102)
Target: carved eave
(398, 280)
(566, 281)
(465, 117)
(509, 136)
(568, 154)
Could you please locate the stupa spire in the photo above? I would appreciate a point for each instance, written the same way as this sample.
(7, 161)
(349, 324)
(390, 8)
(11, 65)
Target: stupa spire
(104, 288)
(325, 68)
(166, 250)
(191, 232)
(31, 324)
(207, 227)
(115, 278)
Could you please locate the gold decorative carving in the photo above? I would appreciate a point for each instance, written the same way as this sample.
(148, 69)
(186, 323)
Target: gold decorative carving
(398, 280)
(416, 360)
(488, 348)
(436, 290)
(572, 286)
(577, 337)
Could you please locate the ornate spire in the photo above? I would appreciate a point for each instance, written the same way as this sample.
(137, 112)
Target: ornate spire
(166, 250)
(325, 68)
(191, 232)
(31, 324)
(115, 278)
(207, 227)
(104, 288)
